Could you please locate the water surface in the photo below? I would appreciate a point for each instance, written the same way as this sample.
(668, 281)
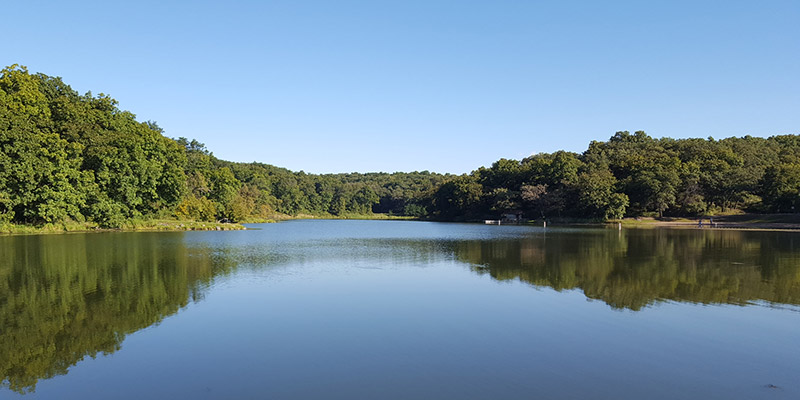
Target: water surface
(398, 309)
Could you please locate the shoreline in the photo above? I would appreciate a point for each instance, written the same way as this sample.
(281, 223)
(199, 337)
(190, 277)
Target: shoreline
(170, 225)
(130, 226)
(752, 222)
(749, 222)
(744, 222)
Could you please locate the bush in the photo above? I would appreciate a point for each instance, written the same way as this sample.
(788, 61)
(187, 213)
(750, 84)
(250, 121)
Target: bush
(194, 208)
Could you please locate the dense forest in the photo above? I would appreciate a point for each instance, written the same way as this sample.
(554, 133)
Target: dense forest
(70, 157)
(634, 175)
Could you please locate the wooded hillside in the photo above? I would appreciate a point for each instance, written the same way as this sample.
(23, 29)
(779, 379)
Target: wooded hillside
(71, 157)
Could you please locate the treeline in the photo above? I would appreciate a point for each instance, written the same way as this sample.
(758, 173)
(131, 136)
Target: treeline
(633, 175)
(217, 189)
(70, 157)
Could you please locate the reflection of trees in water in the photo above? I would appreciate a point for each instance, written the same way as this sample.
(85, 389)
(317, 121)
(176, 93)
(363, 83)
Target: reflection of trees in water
(633, 269)
(66, 297)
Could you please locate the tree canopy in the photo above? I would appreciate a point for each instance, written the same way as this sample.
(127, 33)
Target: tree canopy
(66, 156)
(635, 175)
(71, 157)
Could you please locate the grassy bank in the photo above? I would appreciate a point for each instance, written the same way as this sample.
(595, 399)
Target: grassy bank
(175, 225)
(738, 221)
(790, 222)
(735, 221)
(131, 225)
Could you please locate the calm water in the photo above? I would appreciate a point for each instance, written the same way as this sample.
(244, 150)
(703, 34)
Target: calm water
(406, 310)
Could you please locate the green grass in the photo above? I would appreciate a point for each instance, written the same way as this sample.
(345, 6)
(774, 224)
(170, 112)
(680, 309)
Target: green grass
(167, 224)
(130, 225)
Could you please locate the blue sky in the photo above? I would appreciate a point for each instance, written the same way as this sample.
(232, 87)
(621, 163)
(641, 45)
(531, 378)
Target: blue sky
(445, 86)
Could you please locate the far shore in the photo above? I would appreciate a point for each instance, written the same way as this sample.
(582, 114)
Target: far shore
(771, 222)
(157, 225)
(783, 222)
(774, 222)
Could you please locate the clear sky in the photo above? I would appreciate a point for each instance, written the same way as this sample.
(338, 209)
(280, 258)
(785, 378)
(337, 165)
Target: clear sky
(445, 86)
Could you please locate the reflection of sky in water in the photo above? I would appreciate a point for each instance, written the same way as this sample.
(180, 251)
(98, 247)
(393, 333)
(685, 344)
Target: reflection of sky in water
(307, 241)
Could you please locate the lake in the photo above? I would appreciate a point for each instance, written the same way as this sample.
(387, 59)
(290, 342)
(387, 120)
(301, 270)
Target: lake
(401, 310)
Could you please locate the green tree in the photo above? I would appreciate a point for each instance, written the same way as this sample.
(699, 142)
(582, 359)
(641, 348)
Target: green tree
(781, 187)
(39, 178)
(458, 198)
(597, 196)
